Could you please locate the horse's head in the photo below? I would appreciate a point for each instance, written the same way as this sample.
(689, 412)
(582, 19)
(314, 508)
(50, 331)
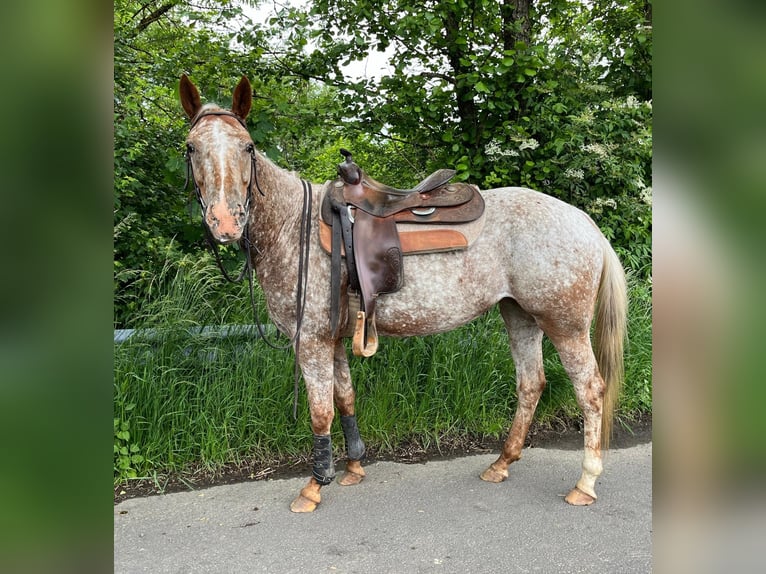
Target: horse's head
(221, 159)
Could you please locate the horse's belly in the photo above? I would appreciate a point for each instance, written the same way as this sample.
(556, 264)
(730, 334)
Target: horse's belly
(440, 293)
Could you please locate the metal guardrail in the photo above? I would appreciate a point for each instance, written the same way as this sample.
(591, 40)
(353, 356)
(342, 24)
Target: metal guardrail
(218, 332)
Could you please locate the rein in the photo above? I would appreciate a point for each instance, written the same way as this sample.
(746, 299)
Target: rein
(245, 244)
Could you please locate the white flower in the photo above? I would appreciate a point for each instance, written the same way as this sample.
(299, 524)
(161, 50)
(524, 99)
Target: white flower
(585, 117)
(494, 150)
(596, 149)
(530, 143)
(605, 202)
(646, 195)
(574, 173)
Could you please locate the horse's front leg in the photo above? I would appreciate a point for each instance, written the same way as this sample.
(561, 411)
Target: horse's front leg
(345, 398)
(316, 362)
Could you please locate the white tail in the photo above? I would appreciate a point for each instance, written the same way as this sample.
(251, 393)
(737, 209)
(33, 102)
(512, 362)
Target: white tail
(610, 335)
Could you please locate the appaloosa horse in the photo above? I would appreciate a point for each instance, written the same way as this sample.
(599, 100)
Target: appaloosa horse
(544, 262)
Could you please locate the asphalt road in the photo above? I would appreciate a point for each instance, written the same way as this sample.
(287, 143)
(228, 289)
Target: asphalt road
(432, 517)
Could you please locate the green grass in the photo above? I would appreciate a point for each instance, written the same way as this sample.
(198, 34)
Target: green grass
(186, 401)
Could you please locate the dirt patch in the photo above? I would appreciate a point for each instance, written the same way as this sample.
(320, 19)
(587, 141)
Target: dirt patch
(561, 434)
(568, 435)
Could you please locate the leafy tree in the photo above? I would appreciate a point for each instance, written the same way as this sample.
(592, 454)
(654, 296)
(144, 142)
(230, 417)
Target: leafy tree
(451, 60)
(151, 44)
(552, 94)
(625, 33)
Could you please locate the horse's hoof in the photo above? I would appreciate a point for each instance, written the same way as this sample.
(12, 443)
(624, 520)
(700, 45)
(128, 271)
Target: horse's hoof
(303, 504)
(577, 497)
(354, 474)
(308, 499)
(350, 478)
(493, 475)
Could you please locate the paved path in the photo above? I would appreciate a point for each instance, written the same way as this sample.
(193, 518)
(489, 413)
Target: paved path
(432, 517)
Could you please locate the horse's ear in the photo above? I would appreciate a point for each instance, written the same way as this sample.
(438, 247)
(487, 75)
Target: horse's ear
(243, 98)
(190, 99)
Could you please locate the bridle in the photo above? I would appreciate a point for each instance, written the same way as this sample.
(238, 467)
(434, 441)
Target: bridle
(245, 244)
(248, 199)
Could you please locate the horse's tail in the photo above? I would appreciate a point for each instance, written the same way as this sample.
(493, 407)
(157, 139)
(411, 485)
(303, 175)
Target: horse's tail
(610, 334)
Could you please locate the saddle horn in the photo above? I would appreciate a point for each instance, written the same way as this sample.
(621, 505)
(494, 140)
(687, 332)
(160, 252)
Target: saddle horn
(348, 171)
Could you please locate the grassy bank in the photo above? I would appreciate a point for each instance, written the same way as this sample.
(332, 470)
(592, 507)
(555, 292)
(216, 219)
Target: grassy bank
(185, 400)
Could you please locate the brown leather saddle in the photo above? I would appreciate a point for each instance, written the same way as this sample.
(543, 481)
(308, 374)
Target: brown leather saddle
(360, 216)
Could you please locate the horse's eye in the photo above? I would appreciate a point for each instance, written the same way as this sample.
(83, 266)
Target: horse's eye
(250, 148)
(189, 147)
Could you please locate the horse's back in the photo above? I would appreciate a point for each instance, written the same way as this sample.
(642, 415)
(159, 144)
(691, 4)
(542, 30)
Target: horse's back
(531, 216)
(534, 248)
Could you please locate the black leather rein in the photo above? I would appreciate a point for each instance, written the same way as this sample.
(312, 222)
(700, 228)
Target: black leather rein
(245, 244)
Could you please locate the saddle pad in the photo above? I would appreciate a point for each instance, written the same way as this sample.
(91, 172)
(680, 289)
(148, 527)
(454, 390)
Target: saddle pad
(419, 238)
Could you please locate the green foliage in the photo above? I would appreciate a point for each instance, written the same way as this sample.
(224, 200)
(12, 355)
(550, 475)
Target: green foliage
(386, 160)
(127, 457)
(637, 392)
(557, 99)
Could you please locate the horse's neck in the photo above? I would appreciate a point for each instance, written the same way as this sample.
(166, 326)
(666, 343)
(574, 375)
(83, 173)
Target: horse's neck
(275, 221)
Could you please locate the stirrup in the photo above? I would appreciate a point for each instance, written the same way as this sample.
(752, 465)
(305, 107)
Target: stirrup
(364, 346)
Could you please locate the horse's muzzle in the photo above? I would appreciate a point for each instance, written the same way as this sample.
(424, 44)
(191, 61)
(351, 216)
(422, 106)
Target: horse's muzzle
(226, 225)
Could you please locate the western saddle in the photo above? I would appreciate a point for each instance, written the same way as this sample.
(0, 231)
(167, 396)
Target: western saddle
(373, 225)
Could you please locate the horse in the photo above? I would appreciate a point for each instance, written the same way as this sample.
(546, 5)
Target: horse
(544, 263)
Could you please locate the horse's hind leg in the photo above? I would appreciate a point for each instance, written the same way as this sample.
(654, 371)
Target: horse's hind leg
(580, 363)
(345, 398)
(526, 347)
